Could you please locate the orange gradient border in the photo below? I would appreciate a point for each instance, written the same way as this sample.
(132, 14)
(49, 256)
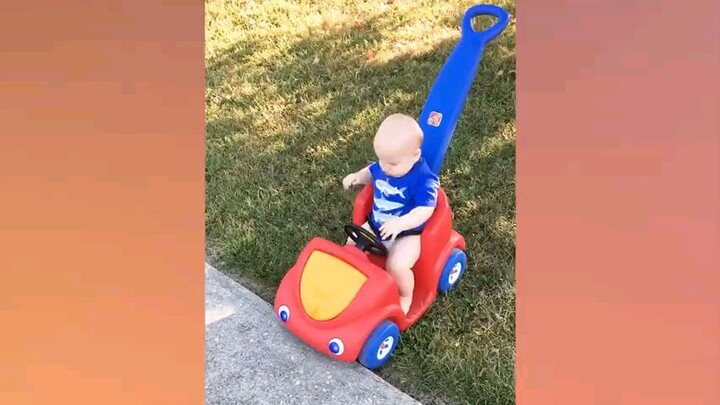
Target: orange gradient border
(102, 209)
(618, 203)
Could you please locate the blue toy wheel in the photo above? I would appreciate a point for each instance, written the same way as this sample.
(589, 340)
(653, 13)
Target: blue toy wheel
(378, 348)
(453, 270)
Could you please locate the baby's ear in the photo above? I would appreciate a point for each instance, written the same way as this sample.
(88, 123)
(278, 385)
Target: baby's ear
(417, 153)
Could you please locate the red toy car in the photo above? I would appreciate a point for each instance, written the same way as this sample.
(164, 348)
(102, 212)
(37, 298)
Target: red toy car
(342, 302)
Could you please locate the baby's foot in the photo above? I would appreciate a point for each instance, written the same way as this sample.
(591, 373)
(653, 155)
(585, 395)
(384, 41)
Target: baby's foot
(405, 304)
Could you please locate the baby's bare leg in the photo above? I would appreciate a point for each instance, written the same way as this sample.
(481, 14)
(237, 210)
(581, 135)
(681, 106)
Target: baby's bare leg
(403, 255)
(352, 242)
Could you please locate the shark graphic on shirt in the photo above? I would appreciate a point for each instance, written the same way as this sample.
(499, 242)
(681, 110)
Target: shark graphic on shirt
(383, 217)
(386, 205)
(388, 190)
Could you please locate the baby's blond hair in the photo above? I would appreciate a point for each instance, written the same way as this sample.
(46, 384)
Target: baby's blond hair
(402, 127)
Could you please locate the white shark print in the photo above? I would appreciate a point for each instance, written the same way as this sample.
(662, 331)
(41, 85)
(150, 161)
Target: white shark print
(385, 205)
(382, 217)
(389, 190)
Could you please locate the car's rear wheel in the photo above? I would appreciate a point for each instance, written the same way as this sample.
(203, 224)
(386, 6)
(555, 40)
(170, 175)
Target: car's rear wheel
(453, 270)
(379, 346)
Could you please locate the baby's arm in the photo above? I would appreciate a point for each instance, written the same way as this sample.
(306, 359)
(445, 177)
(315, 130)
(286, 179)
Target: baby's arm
(360, 177)
(416, 217)
(363, 175)
(425, 200)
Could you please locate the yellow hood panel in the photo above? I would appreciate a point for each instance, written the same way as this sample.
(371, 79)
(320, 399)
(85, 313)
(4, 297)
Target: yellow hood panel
(328, 285)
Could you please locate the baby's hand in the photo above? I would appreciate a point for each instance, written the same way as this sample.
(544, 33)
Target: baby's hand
(358, 178)
(392, 228)
(350, 180)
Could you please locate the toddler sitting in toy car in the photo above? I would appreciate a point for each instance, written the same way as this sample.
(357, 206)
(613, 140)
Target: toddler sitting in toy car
(404, 197)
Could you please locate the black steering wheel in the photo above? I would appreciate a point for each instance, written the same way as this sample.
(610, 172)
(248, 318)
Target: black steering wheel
(365, 240)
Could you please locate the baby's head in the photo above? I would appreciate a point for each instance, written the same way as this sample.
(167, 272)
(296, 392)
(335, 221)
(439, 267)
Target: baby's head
(397, 144)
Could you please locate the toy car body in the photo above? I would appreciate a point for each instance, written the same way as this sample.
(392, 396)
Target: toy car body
(335, 297)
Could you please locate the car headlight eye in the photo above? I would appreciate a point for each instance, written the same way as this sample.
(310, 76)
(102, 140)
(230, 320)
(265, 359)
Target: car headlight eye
(284, 313)
(336, 346)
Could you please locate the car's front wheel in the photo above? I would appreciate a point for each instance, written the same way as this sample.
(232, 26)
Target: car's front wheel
(378, 347)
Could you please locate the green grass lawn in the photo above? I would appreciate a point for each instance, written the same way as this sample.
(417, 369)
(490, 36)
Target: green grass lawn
(295, 92)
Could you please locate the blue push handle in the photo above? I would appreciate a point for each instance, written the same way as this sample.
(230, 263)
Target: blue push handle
(448, 94)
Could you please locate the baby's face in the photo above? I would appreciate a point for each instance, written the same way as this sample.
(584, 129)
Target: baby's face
(397, 144)
(396, 160)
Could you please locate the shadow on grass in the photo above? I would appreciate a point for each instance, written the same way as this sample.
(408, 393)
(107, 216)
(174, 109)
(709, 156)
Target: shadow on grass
(282, 131)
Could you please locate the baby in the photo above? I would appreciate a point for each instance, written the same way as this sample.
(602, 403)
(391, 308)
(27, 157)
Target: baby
(404, 197)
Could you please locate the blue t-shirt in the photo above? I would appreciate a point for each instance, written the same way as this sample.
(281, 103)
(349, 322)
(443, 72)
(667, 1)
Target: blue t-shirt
(396, 196)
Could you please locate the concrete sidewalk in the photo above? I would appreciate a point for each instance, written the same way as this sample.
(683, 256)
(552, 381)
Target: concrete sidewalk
(251, 359)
